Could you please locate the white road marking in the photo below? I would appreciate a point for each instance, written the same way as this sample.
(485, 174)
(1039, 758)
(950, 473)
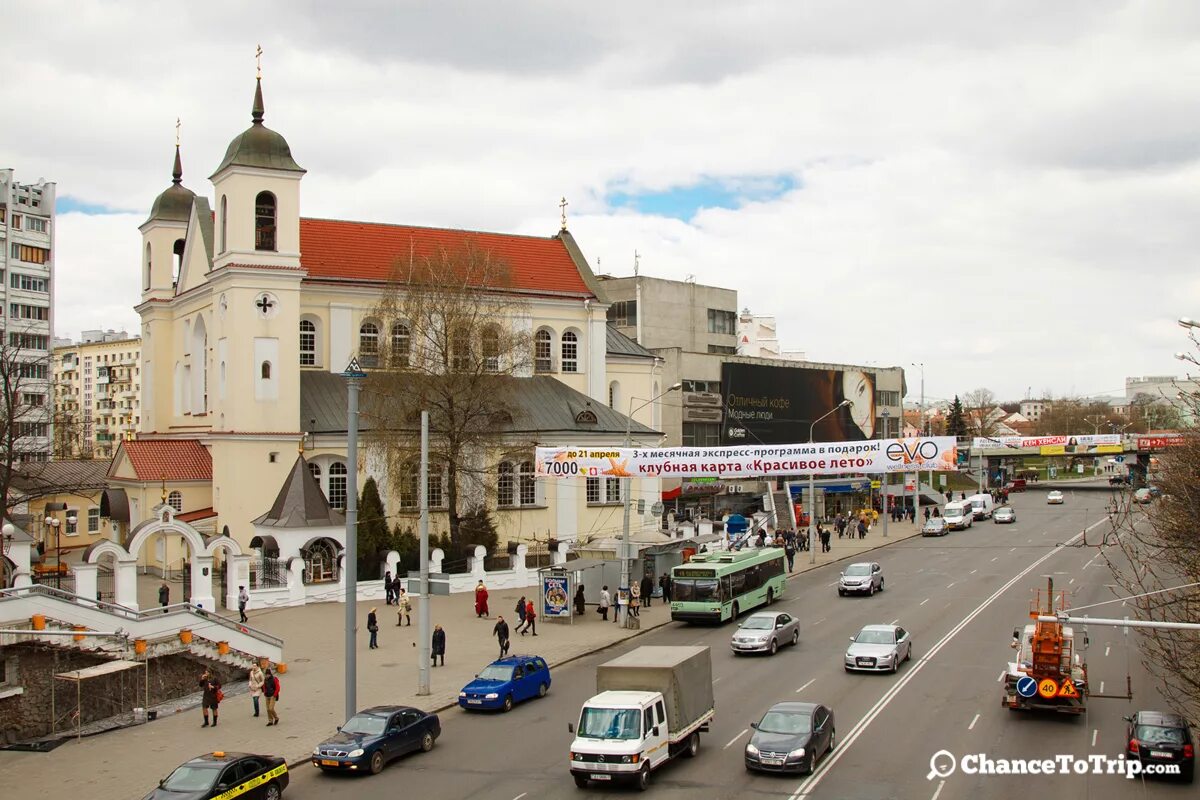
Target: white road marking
(1107, 647)
(951, 586)
(818, 622)
(1011, 549)
(971, 727)
(1002, 673)
(893, 622)
(805, 686)
(1070, 581)
(1095, 733)
(835, 583)
(995, 557)
(811, 782)
(972, 572)
(923, 602)
(734, 739)
(715, 681)
(522, 794)
(938, 791)
(1101, 689)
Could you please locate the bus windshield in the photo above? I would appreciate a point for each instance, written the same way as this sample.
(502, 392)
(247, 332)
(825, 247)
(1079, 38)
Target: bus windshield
(693, 589)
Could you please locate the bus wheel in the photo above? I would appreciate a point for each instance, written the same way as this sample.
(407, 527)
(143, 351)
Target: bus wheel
(770, 596)
(736, 610)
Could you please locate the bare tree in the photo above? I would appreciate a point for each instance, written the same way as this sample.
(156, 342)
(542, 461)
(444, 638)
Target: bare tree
(450, 332)
(979, 404)
(24, 408)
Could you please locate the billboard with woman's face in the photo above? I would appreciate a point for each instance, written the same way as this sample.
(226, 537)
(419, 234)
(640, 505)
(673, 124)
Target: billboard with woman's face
(776, 405)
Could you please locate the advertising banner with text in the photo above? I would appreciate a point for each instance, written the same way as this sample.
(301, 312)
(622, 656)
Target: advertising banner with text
(935, 453)
(1070, 444)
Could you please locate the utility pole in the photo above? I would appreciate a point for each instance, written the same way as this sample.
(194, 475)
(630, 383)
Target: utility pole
(354, 376)
(884, 481)
(424, 612)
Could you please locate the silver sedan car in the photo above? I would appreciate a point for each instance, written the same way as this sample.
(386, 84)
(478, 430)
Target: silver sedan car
(765, 632)
(1004, 514)
(878, 648)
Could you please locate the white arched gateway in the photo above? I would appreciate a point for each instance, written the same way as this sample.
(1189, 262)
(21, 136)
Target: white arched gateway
(201, 552)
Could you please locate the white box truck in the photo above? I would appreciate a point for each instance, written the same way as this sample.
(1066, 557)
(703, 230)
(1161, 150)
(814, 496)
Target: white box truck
(651, 705)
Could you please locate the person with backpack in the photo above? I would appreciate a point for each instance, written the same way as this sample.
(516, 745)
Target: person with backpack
(530, 619)
(271, 689)
(211, 687)
(520, 609)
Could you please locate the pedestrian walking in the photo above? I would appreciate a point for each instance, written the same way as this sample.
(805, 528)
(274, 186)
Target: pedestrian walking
(164, 596)
(243, 601)
(255, 681)
(647, 589)
(789, 551)
(439, 645)
(520, 609)
(530, 619)
(481, 600)
(397, 587)
(271, 690)
(927, 513)
(824, 534)
(388, 595)
(373, 629)
(212, 697)
(635, 599)
(617, 607)
(605, 601)
(664, 583)
(500, 631)
(403, 607)
(580, 603)
(862, 527)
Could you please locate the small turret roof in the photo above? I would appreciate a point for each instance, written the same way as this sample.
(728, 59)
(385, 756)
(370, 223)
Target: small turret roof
(301, 503)
(174, 204)
(258, 145)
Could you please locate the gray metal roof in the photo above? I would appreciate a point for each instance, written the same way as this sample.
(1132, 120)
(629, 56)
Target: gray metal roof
(205, 215)
(300, 503)
(258, 145)
(621, 345)
(61, 477)
(544, 405)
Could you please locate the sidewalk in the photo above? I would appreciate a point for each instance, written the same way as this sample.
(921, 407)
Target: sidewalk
(128, 763)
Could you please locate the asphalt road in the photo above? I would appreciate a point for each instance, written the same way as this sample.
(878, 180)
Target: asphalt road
(960, 596)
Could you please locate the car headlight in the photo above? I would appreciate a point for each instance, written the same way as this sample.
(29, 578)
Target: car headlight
(797, 753)
(491, 696)
(751, 750)
(462, 694)
(316, 751)
(355, 753)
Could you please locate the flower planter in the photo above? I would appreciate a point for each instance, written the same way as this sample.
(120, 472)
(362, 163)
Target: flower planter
(281, 668)
(79, 637)
(185, 636)
(223, 648)
(139, 646)
(38, 622)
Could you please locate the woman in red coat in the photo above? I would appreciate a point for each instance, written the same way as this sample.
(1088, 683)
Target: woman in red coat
(481, 597)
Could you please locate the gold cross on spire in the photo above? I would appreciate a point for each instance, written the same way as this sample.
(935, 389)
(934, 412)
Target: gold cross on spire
(562, 205)
(177, 131)
(258, 60)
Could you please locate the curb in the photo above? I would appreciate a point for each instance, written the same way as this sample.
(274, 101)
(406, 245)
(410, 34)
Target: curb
(640, 632)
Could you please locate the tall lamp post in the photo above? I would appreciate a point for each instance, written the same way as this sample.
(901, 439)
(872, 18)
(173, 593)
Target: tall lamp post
(884, 482)
(812, 484)
(922, 430)
(626, 554)
(55, 524)
(354, 377)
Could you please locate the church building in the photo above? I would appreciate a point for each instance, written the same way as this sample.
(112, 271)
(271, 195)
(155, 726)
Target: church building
(251, 312)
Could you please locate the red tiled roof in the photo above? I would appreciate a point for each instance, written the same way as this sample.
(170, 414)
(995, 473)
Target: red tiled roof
(169, 460)
(344, 250)
(192, 516)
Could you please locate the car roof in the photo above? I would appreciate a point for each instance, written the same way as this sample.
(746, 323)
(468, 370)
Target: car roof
(219, 758)
(1165, 719)
(794, 707)
(862, 564)
(765, 614)
(888, 628)
(512, 661)
(383, 711)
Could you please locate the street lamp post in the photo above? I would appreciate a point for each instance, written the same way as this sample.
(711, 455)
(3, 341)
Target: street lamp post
(354, 377)
(627, 486)
(55, 523)
(884, 505)
(812, 483)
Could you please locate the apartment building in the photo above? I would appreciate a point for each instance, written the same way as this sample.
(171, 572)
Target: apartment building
(27, 228)
(97, 386)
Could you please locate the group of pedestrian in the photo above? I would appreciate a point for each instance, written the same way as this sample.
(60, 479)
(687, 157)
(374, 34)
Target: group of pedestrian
(900, 513)
(262, 683)
(528, 616)
(394, 591)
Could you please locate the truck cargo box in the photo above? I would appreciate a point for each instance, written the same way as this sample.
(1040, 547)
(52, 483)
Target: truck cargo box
(683, 675)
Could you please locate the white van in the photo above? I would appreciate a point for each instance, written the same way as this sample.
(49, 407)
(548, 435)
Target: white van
(958, 515)
(981, 504)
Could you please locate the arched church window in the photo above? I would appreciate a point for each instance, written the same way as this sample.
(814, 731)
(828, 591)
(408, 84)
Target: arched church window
(266, 370)
(264, 221)
(337, 485)
(308, 343)
(224, 223)
(177, 251)
(146, 269)
(401, 344)
(368, 344)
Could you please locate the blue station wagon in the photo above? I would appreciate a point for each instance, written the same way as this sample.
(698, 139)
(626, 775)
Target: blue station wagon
(506, 682)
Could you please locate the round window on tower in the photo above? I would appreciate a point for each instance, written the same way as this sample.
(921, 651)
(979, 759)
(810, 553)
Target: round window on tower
(266, 305)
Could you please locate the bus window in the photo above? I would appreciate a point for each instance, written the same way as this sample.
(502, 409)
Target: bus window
(725, 595)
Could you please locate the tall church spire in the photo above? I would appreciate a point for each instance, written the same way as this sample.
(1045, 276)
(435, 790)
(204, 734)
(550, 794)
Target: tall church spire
(177, 172)
(257, 112)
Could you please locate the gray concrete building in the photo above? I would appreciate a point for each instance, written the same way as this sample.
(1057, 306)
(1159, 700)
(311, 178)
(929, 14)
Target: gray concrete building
(27, 228)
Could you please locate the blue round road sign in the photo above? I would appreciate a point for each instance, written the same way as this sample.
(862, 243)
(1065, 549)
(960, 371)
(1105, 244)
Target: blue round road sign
(1027, 687)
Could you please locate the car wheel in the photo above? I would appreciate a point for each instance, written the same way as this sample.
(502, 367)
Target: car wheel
(693, 745)
(774, 646)
(908, 652)
(881, 584)
(581, 781)
(643, 778)
(542, 689)
(272, 792)
(812, 761)
(376, 764)
(508, 704)
(832, 741)
(841, 593)
(736, 610)
(895, 663)
(871, 589)
(427, 742)
(795, 638)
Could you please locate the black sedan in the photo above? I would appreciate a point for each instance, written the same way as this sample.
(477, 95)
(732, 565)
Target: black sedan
(791, 737)
(373, 737)
(1156, 737)
(221, 775)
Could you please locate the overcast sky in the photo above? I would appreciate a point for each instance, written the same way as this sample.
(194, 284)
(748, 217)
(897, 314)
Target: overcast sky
(1004, 191)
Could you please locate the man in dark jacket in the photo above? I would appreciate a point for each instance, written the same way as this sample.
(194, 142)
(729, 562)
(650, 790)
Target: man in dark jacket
(164, 596)
(439, 645)
(373, 629)
(500, 631)
(271, 691)
(664, 583)
(211, 687)
(647, 590)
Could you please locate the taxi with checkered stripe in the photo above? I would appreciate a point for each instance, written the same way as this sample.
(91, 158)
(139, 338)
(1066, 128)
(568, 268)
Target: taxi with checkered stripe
(225, 776)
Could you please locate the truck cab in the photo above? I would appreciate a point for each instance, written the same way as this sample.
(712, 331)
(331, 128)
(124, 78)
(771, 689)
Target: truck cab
(618, 733)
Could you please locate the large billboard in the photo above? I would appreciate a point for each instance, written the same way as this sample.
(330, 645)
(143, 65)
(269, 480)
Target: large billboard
(776, 405)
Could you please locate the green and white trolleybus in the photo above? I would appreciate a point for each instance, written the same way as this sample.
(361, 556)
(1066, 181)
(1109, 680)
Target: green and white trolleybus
(714, 587)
